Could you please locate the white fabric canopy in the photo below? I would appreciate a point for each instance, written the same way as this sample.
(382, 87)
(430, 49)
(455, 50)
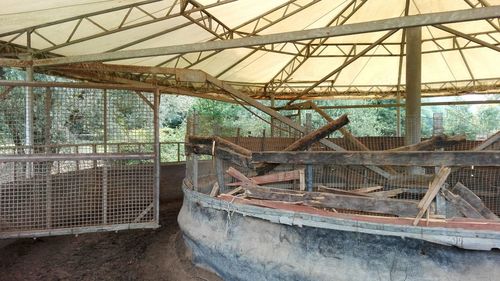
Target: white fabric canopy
(449, 62)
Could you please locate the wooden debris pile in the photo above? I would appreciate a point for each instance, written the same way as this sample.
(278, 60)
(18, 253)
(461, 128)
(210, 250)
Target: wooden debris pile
(387, 171)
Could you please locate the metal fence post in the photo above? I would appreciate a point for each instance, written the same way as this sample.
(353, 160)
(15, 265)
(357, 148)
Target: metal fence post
(157, 160)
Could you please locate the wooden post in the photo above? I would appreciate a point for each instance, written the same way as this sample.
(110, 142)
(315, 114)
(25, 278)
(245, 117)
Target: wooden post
(219, 170)
(263, 140)
(195, 172)
(76, 161)
(178, 152)
(238, 135)
(309, 177)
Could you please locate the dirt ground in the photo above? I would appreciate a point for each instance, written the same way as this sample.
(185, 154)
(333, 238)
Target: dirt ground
(127, 255)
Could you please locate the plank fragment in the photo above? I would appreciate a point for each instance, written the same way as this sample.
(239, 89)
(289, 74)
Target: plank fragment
(403, 208)
(307, 141)
(273, 178)
(215, 190)
(368, 189)
(323, 188)
(465, 208)
(434, 188)
(471, 198)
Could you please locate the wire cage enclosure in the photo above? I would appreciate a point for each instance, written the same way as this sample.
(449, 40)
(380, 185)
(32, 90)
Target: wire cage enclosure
(76, 160)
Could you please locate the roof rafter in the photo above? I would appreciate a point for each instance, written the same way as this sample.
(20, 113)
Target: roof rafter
(283, 11)
(344, 65)
(483, 3)
(297, 61)
(356, 28)
(468, 37)
(170, 13)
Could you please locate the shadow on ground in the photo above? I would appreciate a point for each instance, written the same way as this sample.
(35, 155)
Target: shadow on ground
(127, 255)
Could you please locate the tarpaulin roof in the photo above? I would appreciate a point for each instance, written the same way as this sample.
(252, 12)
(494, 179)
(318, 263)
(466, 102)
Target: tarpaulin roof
(456, 57)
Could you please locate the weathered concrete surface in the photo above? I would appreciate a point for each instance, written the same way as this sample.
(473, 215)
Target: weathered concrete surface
(246, 248)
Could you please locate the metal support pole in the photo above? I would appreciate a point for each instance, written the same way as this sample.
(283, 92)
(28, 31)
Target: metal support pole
(105, 162)
(413, 84)
(48, 165)
(413, 88)
(156, 116)
(105, 120)
(29, 110)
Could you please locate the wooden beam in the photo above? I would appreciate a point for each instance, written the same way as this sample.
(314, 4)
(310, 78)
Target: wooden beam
(274, 114)
(221, 153)
(434, 188)
(393, 158)
(348, 29)
(433, 143)
(463, 206)
(272, 178)
(347, 135)
(488, 142)
(471, 198)
(368, 189)
(336, 201)
(241, 177)
(388, 193)
(86, 85)
(323, 188)
(215, 190)
(306, 141)
(219, 142)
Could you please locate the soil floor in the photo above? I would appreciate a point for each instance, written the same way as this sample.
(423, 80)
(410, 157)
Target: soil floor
(158, 254)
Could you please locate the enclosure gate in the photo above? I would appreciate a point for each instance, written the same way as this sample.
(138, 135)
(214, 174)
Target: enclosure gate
(76, 160)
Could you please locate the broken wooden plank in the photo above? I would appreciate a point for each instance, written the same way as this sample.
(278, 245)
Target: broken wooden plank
(240, 176)
(462, 223)
(393, 158)
(209, 141)
(436, 142)
(215, 190)
(220, 153)
(465, 208)
(353, 140)
(237, 190)
(306, 141)
(471, 198)
(368, 189)
(434, 188)
(302, 179)
(488, 142)
(337, 201)
(272, 178)
(323, 188)
(387, 193)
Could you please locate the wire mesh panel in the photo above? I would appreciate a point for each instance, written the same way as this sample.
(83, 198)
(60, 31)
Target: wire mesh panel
(85, 162)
